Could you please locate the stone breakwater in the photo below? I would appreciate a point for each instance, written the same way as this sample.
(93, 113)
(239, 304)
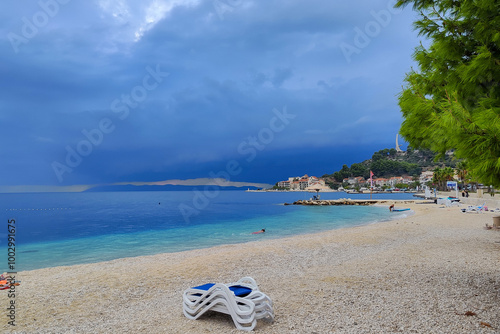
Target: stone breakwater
(347, 201)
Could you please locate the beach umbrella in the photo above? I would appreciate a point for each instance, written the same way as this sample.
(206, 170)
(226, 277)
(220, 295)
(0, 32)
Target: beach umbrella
(317, 188)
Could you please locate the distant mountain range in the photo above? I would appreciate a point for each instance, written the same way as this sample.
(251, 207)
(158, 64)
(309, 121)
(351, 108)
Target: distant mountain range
(111, 188)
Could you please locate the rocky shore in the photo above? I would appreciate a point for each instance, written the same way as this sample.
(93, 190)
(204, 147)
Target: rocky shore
(348, 201)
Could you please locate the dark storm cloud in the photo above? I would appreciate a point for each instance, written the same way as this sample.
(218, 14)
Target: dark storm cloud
(175, 89)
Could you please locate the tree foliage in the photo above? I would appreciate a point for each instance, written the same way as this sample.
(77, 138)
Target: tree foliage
(441, 175)
(385, 168)
(345, 172)
(382, 154)
(462, 172)
(384, 163)
(387, 163)
(453, 101)
(359, 169)
(427, 158)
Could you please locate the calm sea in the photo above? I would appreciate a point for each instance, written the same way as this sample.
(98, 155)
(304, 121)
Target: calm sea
(56, 229)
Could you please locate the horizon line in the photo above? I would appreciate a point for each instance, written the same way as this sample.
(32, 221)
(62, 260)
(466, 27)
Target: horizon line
(84, 187)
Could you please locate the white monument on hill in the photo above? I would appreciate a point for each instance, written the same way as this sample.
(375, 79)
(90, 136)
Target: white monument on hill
(398, 147)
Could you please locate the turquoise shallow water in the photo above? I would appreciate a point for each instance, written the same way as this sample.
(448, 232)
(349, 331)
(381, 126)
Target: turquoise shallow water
(73, 228)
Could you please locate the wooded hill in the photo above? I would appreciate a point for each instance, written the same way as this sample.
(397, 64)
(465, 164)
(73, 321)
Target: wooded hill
(388, 162)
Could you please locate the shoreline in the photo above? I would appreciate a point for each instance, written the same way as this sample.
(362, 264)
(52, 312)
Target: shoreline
(417, 273)
(93, 256)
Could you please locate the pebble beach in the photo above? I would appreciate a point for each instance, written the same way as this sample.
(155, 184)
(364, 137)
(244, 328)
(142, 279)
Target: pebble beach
(437, 271)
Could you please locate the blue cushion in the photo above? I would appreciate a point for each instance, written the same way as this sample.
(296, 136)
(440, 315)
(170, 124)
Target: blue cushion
(238, 290)
(204, 287)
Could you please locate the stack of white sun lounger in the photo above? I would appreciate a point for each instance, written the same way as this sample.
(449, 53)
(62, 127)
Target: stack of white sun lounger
(242, 300)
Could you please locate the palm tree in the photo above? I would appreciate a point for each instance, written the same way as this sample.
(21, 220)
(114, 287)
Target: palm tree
(441, 175)
(437, 178)
(416, 184)
(448, 174)
(462, 172)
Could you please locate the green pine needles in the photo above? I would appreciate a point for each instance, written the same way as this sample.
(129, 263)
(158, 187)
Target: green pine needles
(453, 101)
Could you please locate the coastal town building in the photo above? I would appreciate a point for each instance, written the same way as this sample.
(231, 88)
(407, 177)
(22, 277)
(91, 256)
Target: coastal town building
(352, 181)
(301, 182)
(395, 180)
(426, 177)
(379, 182)
(284, 184)
(400, 179)
(407, 180)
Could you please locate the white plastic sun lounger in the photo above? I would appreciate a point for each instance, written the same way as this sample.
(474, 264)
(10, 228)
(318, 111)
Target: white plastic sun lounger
(242, 300)
(263, 304)
(475, 209)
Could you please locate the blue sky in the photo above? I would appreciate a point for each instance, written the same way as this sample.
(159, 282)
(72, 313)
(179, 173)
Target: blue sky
(117, 91)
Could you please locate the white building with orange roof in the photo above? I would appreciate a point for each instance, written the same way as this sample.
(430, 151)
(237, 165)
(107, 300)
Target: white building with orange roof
(284, 184)
(355, 180)
(380, 181)
(426, 177)
(395, 180)
(301, 182)
(407, 179)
